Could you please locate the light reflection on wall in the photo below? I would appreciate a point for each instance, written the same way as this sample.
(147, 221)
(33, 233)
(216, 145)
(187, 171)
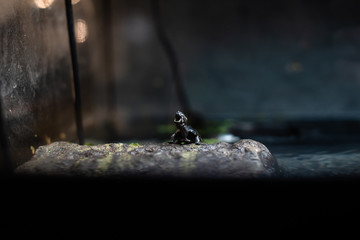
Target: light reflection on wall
(74, 2)
(47, 3)
(43, 3)
(81, 30)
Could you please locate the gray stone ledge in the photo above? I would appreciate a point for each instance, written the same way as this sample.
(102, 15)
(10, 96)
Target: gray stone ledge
(243, 159)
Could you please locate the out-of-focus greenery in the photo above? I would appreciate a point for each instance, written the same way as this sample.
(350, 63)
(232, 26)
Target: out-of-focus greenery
(210, 140)
(166, 128)
(214, 128)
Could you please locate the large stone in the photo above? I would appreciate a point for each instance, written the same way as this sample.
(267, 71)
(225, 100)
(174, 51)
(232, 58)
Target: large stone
(243, 159)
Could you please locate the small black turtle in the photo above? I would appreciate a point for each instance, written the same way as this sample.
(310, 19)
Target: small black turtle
(184, 133)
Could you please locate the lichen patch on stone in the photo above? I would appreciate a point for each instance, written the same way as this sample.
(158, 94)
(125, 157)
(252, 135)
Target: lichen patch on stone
(104, 163)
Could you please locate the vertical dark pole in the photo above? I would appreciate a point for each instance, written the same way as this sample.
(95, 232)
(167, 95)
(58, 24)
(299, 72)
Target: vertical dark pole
(5, 167)
(75, 70)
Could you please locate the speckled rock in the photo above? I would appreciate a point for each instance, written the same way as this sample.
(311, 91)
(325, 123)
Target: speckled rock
(243, 159)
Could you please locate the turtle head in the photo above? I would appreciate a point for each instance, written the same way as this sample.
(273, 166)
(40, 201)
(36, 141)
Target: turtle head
(180, 119)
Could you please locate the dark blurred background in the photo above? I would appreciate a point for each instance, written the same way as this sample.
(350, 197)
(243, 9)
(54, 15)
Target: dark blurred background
(283, 70)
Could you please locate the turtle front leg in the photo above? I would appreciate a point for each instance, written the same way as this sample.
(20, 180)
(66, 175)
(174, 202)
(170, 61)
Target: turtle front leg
(186, 140)
(174, 137)
(197, 140)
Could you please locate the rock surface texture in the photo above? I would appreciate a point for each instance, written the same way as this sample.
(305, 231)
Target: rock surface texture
(243, 159)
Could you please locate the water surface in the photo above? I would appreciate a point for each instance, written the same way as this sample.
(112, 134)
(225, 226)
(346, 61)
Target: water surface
(318, 160)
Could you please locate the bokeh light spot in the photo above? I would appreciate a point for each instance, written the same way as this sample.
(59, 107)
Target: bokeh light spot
(81, 30)
(43, 3)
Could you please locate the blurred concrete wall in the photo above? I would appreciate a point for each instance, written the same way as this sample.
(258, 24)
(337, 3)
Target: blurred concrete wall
(35, 78)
